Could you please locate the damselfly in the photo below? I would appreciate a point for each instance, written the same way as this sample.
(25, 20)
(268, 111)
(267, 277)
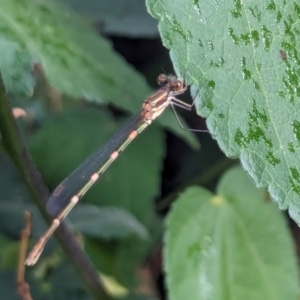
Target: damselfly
(71, 190)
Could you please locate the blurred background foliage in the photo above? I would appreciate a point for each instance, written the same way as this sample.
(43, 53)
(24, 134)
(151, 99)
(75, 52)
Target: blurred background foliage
(78, 70)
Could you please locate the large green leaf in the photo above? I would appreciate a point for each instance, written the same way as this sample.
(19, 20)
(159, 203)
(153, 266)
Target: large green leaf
(234, 245)
(75, 59)
(244, 56)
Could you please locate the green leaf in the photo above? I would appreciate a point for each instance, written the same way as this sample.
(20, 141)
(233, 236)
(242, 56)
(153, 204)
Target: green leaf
(15, 64)
(234, 245)
(244, 57)
(74, 58)
(106, 222)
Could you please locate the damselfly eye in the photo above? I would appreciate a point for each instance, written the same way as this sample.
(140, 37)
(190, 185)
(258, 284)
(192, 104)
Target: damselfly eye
(162, 79)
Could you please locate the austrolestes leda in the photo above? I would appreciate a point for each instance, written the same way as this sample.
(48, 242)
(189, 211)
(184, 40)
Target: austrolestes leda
(71, 190)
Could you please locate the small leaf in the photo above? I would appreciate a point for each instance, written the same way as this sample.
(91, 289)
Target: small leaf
(106, 222)
(234, 245)
(244, 57)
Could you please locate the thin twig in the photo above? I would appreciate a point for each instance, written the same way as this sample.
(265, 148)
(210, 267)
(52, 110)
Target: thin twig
(23, 288)
(13, 144)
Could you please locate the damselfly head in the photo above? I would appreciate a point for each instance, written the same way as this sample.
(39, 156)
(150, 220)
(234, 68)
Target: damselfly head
(163, 79)
(171, 81)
